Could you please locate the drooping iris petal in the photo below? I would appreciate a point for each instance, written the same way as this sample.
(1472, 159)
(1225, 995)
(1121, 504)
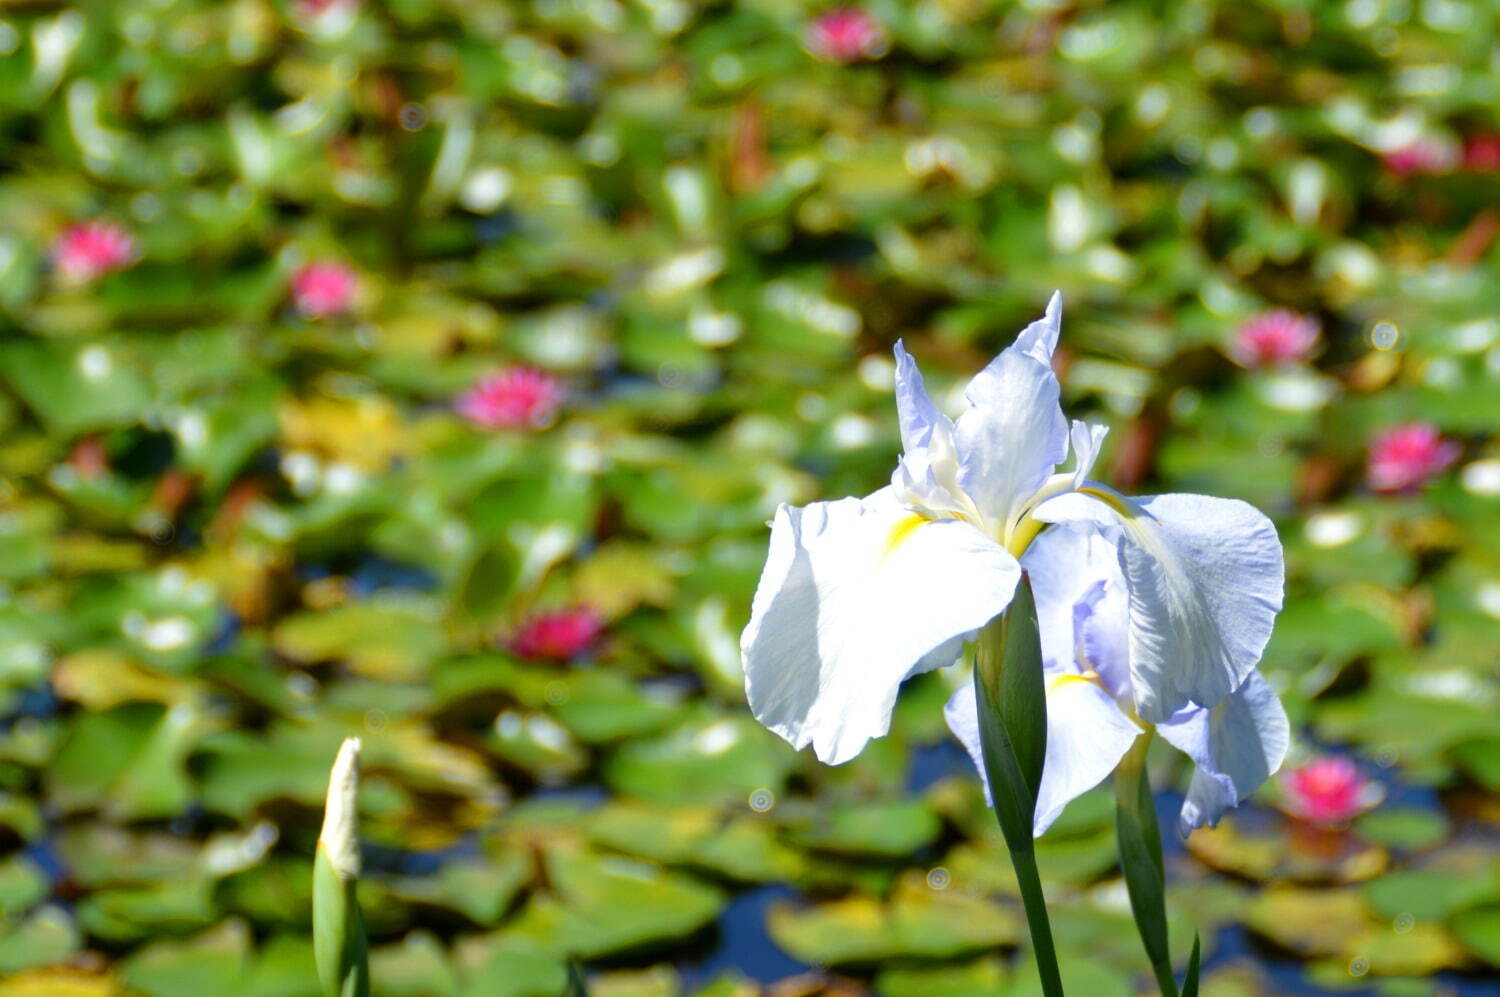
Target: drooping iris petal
(855, 594)
(1235, 747)
(1205, 578)
(1087, 734)
(1013, 434)
(1081, 604)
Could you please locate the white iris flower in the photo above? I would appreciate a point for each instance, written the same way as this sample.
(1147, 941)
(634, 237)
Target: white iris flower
(1153, 611)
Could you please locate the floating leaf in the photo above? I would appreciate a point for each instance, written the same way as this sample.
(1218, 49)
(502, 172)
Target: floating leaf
(917, 922)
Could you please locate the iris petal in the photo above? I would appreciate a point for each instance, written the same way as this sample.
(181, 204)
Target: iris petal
(926, 478)
(1087, 735)
(1236, 746)
(1013, 434)
(920, 419)
(854, 598)
(1205, 577)
(1081, 604)
(1087, 438)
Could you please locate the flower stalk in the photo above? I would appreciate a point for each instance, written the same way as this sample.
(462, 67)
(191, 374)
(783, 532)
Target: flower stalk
(339, 943)
(1013, 737)
(1139, 842)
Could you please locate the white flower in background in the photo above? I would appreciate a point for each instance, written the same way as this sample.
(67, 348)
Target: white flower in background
(858, 595)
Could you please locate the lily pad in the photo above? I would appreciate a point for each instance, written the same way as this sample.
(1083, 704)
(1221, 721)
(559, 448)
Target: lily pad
(48, 935)
(708, 758)
(917, 922)
(213, 961)
(384, 640)
(602, 904)
(878, 829)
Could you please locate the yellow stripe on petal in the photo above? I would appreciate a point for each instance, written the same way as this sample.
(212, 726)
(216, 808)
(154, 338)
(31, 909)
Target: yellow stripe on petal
(902, 530)
(1067, 678)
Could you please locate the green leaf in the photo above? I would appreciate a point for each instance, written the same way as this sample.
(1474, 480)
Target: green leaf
(1190, 981)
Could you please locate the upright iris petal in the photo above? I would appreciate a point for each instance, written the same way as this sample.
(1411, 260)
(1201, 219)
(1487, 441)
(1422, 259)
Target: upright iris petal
(1013, 434)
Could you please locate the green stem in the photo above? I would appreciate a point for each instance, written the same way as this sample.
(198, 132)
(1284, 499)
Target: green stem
(1139, 841)
(1012, 705)
(1024, 861)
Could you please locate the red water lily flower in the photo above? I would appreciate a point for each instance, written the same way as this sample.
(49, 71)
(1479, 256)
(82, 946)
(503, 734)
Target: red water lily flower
(1275, 337)
(322, 289)
(1405, 457)
(559, 636)
(846, 35)
(1328, 791)
(516, 398)
(89, 250)
(1419, 156)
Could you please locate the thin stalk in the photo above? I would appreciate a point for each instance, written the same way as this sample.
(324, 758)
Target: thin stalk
(1024, 861)
(1139, 841)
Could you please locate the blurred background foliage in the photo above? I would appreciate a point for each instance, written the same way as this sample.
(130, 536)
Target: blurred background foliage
(241, 517)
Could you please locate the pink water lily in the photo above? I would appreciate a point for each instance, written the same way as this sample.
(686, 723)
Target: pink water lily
(1406, 457)
(1419, 156)
(1327, 791)
(89, 250)
(1278, 336)
(521, 397)
(846, 35)
(558, 636)
(323, 289)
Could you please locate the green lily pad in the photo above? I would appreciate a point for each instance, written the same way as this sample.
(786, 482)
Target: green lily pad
(1478, 930)
(1404, 827)
(416, 966)
(212, 961)
(980, 978)
(284, 967)
(508, 966)
(708, 758)
(45, 937)
(76, 387)
(384, 640)
(480, 890)
(601, 904)
(1287, 851)
(917, 922)
(746, 849)
(22, 886)
(1427, 895)
(891, 829)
